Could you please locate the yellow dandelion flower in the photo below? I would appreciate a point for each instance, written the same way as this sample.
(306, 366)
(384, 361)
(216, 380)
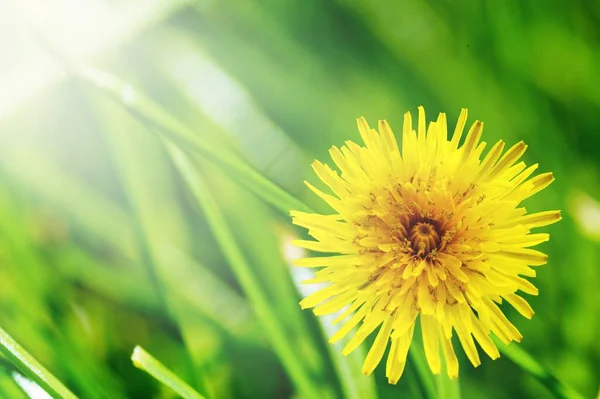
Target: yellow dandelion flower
(430, 232)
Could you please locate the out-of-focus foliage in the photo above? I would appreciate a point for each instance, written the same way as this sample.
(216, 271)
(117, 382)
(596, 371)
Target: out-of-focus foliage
(105, 239)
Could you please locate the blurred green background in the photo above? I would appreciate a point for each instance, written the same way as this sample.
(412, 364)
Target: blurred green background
(117, 229)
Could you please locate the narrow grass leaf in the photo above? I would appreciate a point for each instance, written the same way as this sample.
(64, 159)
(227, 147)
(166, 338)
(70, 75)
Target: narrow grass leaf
(184, 137)
(9, 388)
(526, 362)
(144, 361)
(32, 368)
(306, 384)
(151, 190)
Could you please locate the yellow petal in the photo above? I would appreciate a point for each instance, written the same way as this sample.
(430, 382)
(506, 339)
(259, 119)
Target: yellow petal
(454, 291)
(490, 159)
(406, 314)
(472, 139)
(429, 329)
(329, 261)
(393, 367)
(351, 170)
(350, 324)
(460, 125)
(524, 285)
(511, 156)
(335, 304)
(358, 302)
(501, 323)
(425, 299)
(333, 202)
(388, 136)
(520, 305)
(442, 128)
(421, 128)
(321, 295)
(363, 128)
(364, 331)
(463, 327)
(517, 180)
(483, 339)
(528, 240)
(534, 186)
(540, 219)
(531, 256)
(450, 356)
(333, 246)
(404, 342)
(331, 178)
(376, 352)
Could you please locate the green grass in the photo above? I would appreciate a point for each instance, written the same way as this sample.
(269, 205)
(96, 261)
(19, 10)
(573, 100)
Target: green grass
(18, 356)
(144, 361)
(144, 197)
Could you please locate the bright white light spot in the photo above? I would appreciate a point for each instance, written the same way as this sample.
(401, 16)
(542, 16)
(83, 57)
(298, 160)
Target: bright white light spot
(300, 274)
(128, 95)
(588, 214)
(33, 390)
(77, 30)
(292, 252)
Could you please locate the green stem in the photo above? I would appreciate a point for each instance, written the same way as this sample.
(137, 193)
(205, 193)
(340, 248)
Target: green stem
(526, 362)
(32, 368)
(144, 361)
(447, 387)
(423, 373)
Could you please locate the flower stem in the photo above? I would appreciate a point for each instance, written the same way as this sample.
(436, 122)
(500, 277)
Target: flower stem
(423, 373)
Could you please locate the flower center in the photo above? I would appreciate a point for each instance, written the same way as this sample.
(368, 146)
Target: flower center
(424, 238)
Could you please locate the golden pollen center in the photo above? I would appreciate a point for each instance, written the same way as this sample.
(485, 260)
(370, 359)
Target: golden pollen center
(424, 238)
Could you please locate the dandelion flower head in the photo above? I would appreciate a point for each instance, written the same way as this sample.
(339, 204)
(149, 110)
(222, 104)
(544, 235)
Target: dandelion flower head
(432, 233)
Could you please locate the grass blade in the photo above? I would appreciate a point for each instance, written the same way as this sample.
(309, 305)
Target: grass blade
(150, 112)
(305, 383)
(162, 225)
(144, 361)
(9, 388)
(526, 362)
(32, 368)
